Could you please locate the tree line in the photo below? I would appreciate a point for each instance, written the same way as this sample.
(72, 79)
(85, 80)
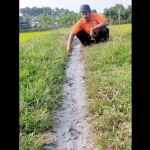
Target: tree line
(118, 12)
(48, 16)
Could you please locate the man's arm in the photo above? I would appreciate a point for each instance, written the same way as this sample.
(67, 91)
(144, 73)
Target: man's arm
(69, 43)
(102, 24)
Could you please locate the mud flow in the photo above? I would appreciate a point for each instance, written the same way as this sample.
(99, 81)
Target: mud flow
(72, 130)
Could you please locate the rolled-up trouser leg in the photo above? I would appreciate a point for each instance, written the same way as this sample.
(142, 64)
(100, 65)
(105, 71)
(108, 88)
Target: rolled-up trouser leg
(103, 35)
(84, 38)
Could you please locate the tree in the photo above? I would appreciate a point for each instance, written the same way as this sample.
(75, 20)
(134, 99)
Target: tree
(78, 16)
(117, 12)
(94, 11)
(44, 19)
(20, 19)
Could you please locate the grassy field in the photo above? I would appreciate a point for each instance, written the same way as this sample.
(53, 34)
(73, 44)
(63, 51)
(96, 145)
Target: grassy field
(24, 37)
(108, 86)
(108, 81)
(41, 75)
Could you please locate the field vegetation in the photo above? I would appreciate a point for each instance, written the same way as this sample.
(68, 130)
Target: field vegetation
(42, 61)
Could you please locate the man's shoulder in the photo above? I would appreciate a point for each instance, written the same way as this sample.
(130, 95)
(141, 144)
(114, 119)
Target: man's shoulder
(80, 21)
(95, 15)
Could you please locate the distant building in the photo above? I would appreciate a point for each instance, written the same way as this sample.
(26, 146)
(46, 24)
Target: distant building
(56, 24)
(34, 18)
(36, 24)
(24, 25)
(20, 14)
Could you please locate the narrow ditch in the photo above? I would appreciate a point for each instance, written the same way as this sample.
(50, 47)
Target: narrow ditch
(72, 126)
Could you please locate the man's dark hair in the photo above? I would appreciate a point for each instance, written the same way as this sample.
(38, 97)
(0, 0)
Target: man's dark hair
(85, 8)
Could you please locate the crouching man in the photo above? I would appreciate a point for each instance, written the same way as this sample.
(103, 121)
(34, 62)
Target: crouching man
(90, 29)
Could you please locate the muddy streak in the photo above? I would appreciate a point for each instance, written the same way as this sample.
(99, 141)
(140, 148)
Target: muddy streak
(72, 123)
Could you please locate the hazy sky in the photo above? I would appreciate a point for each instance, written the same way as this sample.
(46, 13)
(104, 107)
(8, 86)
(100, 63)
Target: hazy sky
(74, 5)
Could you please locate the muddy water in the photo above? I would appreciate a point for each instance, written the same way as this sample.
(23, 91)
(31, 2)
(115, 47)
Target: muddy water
(72, 129)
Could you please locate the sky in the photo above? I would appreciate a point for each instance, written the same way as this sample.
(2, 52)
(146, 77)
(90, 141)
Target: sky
(74, 5)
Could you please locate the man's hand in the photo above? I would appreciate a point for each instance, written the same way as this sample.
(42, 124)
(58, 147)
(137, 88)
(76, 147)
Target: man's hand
(92, 34)
(69, 49)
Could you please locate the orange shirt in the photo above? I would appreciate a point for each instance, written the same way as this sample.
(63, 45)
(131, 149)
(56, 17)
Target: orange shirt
(86, 26)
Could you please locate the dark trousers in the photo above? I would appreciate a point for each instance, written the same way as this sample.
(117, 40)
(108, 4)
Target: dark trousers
(85, 39)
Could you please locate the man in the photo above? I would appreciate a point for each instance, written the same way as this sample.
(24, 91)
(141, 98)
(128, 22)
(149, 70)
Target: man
(90, 29)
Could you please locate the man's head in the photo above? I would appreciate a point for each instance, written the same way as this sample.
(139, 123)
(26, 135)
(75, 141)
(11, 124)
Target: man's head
(85, 8)
(85, 12)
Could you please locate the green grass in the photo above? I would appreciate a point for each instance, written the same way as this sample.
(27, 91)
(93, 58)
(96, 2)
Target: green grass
(23, 37)
(41, 75)
(108, 86)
